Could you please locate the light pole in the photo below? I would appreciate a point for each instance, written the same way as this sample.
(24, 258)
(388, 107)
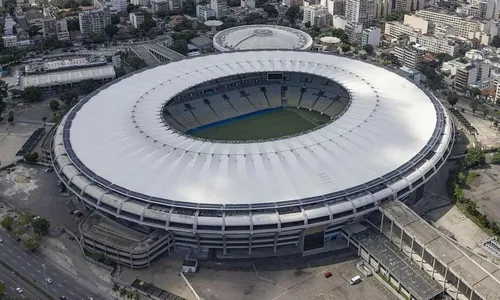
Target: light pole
(45, 278)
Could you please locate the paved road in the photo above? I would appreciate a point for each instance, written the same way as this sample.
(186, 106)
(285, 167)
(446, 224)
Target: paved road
(12, 282)
(30, 265)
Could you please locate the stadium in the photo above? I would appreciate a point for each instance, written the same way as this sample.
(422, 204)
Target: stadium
(252, 152)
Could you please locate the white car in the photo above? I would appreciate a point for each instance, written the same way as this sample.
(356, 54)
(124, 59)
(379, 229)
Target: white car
(48, 280)
(19, 290)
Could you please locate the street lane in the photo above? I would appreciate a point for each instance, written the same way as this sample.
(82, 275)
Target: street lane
(11, 284)
(31, 266)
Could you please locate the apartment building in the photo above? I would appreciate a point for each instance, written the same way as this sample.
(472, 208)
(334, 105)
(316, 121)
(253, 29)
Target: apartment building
(353, 32)
(156, 5)
(335, 7)
(409, 56)
(467, 74)
(136, 19)
(220, 7)
(418, 23)
(360, 12)
(93, 22)
(463, 27)
(317, 15)
(9, 41)
(397, 29)
(140, 3)
(52, 27)
(371, 36)
(119, 5)
(383, 8)
(438, 44)
(175, 6)
(204, 12)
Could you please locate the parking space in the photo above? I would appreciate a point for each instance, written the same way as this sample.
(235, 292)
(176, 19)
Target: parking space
(284, 280)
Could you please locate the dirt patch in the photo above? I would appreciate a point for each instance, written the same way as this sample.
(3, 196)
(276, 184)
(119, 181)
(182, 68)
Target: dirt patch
(20, 180)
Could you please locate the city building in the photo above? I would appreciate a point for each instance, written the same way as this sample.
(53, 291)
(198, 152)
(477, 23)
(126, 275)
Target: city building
(119, 6)
(140, 3)
(248, 4)
(63, 65)
(9, 24)
(461, 27)
(383, 8)
(9, 41)
(360, 12)
(467, 74)
(52, 28)
(335, 7)
(354, 32)
(420, 24)
(339, 22)
(317, 15)
(438, 44)
(273, 200)
(94, 22)
(409, 56)
(156, 5)
(136, 18)
(371, 36)
(397, 29)
(220, 7)
(258, 37)
(175, 6)
(204, 12)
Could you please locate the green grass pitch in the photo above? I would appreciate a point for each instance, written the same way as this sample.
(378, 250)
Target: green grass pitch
(268, 125)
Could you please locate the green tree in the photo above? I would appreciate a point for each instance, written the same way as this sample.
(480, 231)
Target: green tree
(32, 94)
(68, 98)
(7, 222)
(111, 30)
(4, 93)
(123, 292)
(474, 105)
(32, 244)
(474, 158)
(88, 86)
(484, 110)
(345, 48)
(495, 41)
(452, 99)
(496, 158)
(136, 62)
(115, 19)
(180, 46)
(135, 295)
(444, 57)
(10, 119)
(292, 13)
(31, 157)
(270, 10)
(163, 12)
(119, 72)
(369, 49)
(2, 289)
(54, 105)
(41, 226)
(474, 92)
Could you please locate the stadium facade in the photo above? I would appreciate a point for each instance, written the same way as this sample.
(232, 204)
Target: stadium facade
(119, 152)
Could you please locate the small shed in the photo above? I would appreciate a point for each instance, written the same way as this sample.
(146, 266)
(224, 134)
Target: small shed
(189, 266)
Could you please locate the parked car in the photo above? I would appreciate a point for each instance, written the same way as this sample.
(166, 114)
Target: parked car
(356, 279)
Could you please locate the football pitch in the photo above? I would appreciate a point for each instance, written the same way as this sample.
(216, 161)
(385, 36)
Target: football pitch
(264, 125)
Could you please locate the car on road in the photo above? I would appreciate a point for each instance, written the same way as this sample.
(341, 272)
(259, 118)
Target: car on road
(19, 290)
(48, 280)
(63, 298)
(90, 298)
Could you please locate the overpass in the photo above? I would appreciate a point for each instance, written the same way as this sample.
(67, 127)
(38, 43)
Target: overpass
(154, 54)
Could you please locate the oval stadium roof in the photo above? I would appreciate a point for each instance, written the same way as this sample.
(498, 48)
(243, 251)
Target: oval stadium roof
(118, 136)
(261, 37)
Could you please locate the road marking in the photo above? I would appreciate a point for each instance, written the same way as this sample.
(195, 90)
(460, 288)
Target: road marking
(4, 254)
(71, 292)
(53, 289)
(11, 288)
(54, 274)
(65, 281)
(32, 274)
(29, 264)
(23, 268)
(38, 271)
(59, 285)
(9, 250)
(19, 257)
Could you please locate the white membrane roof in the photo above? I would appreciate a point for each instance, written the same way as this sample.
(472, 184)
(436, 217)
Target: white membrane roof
(262, 37)
(120, 136)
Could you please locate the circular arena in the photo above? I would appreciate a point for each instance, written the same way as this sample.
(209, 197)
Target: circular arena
(253, 152)
(261, 37)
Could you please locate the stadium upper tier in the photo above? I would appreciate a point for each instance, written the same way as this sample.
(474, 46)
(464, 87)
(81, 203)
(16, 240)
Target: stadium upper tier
(116, 150)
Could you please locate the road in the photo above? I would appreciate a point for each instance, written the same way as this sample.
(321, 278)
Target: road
(11, 282)
(31, 265)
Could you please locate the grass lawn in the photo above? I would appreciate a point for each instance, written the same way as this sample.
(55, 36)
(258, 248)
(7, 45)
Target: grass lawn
(267, 125)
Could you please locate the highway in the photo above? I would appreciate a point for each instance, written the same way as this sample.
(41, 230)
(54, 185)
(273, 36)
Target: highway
(32, 266)
(12, 282)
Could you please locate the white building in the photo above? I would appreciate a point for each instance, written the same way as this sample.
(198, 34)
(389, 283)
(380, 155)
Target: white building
(396, 30)
(383, 8)
(93, 22)
(136, 18)
(175, 6)
(8, 28)
(467, 74)
(9, 41)
(438, 44)
(250, 4)
(339, 22)
(360, 11)
(220, 7)
(462, 27)
(204, 12)
(156, 5)
(335, 7)
(409, 56)
(140, 3)
(418, 23)
(119, 5)
(317, 15)
(371, 36)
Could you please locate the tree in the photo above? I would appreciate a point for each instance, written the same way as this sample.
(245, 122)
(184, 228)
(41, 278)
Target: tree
(111, 30)
(484, 110)
(68, 98)
(41, 226)
(32, 94)
(4, 93)
(87, 86)
(123, 291)
(11, 117)
(345, 48)
(33, 30)
(7, 222)
(115, 19)
(495, 41)
(180, 46)
(474, 92)
(32, 243)
(452, 99)
(270, 10)
(292, 13)
(163, 12)
(444, 57)
(369, 49)
(131, 7)
(135, 295)
(474, 105)
(73, 25)
(31, 157)
(119, 72)
(2, 289)
(474, 158)
(496, 158)
(136, 62)
(54, 105)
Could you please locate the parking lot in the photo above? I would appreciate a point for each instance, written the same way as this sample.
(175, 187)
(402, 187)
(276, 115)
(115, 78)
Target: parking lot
(280, 280)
